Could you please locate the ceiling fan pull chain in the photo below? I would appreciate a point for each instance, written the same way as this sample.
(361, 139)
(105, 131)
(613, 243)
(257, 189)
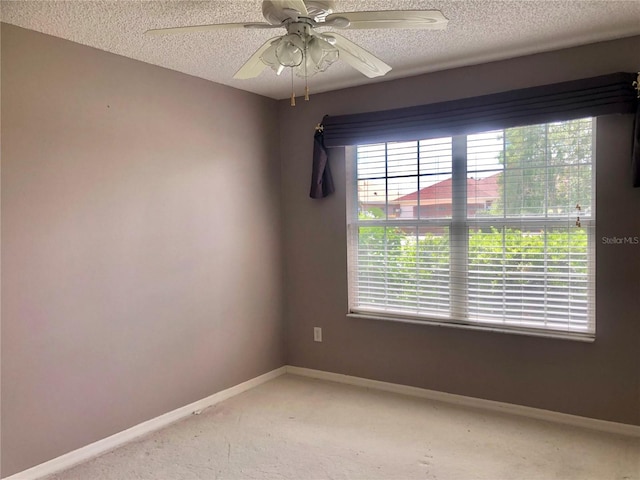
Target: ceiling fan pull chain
(306, 78)
(293, 94)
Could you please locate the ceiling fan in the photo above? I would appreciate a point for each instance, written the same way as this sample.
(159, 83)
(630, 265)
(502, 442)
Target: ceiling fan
(306, 50)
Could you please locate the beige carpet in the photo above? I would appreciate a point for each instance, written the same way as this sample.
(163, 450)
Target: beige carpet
(298, 428)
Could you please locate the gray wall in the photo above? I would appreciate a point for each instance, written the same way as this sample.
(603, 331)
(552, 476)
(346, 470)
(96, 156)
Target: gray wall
(141, 266)
(599, 380)
(141, 249)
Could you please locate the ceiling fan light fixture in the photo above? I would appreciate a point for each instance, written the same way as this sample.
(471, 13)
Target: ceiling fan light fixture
(269, 58)
(306, 55)
(320, 55)
(290, 50)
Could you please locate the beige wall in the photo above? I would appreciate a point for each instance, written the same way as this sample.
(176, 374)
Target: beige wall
(141, 265)
(599, 380)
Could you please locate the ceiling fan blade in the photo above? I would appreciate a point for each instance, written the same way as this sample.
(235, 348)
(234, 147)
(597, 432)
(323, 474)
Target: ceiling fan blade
(297, 5)
(356, 56)
(425, 19)
(206, 28)
(277, 11)
(254, 66)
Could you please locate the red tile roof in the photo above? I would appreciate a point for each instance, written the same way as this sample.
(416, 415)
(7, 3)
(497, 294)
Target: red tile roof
(479, 190)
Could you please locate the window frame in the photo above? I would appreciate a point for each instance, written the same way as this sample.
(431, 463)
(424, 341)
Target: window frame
(459, 223)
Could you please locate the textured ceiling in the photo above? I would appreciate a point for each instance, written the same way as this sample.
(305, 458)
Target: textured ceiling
(478, 31)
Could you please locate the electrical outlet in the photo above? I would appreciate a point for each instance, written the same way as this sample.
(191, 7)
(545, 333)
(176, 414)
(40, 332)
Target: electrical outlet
(317, 334)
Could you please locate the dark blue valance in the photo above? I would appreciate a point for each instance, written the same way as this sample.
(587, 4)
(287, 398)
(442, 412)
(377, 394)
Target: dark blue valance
(591, 97)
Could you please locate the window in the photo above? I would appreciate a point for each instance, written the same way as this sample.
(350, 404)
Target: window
(490, 230)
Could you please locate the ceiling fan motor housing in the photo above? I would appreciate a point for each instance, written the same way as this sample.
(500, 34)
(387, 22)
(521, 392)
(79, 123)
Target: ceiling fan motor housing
(301, 28)
(317, 10)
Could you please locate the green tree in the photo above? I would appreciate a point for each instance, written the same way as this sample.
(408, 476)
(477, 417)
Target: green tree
(547, 169)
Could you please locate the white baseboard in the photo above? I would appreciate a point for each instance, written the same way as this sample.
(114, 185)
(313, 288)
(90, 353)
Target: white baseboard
(105, 445)
(531, 412)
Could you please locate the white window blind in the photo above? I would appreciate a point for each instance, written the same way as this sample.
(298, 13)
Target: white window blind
(493, 229)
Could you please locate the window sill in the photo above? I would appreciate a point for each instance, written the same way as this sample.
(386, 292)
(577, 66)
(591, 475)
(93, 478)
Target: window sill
(575, 336)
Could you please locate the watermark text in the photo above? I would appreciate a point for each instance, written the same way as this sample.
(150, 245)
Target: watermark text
(621, 240)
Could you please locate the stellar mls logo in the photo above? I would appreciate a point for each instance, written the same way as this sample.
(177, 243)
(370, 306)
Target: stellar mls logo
(621, 240)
